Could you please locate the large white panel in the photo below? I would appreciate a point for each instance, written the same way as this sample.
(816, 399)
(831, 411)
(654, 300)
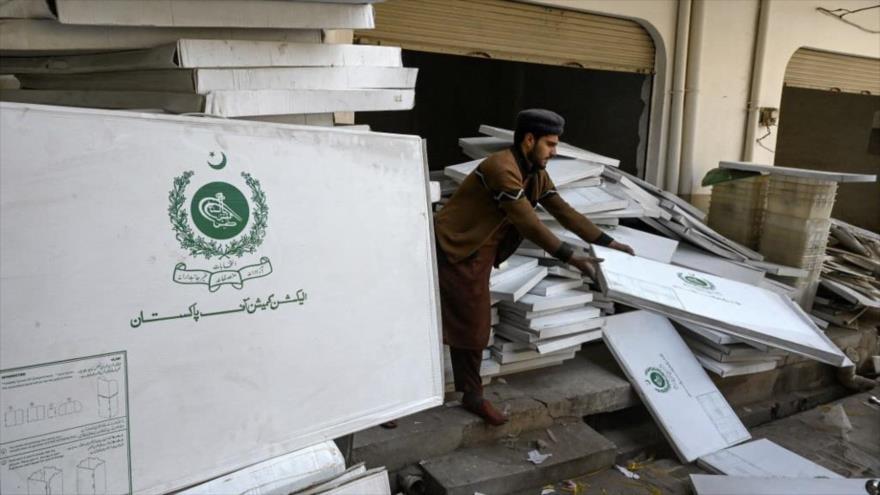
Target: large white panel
(194, 353)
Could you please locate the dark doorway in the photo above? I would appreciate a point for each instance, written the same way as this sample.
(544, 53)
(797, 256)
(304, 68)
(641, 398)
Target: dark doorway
(606, 112)
(836, 132)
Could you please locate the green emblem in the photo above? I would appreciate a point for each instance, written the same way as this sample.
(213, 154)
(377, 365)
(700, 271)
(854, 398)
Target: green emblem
(696, 281)
(657, 379)
(220, 212)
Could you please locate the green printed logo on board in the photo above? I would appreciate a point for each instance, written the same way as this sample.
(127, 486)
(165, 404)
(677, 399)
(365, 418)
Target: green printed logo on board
(695, 281)
(658, 379)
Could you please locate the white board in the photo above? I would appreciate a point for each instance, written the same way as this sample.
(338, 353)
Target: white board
(198, 366)
(280, 475)
(725, 370)
(562, 171)
(740, 309)
(763, 459)
(563, 149)
(696, 259)
(799, 172)
(216, 13)
(707, 484)
(681, 397)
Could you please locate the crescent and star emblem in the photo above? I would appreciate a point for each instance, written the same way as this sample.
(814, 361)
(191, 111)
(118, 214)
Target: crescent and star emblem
(217, 166)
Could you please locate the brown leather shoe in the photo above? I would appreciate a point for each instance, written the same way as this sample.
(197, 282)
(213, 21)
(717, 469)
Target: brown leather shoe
(487, 411)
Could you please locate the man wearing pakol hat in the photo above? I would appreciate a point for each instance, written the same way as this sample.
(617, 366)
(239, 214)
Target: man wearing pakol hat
(483, 224)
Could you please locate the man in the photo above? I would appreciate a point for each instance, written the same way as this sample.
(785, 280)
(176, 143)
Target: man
(483, 224)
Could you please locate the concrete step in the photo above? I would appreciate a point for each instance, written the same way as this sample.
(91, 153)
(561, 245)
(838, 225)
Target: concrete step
(504, 468)
(591, 383)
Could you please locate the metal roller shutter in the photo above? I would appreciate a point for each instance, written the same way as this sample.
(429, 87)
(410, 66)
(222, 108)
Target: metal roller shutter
(833, 72)
(507, 30)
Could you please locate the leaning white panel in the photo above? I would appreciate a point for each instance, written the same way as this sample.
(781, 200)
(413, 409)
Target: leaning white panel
(740, 309)
(204, 355)
(681, 397)
(763, 459)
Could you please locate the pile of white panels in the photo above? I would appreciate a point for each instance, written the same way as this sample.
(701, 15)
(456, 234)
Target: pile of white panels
(205, 70)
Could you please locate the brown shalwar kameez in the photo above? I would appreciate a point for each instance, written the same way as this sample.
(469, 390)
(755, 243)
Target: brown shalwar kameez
(481, 226)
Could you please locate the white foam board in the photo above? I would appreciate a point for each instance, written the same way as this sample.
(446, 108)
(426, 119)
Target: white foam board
(549, 346)
(553, 332)
(799, 172)
(203, 81)
(544, 361)
(707, 484)
(26, 9)
(280, 475)
(562, 171)
(763, 458)
(695, 258)
(512, 268)
(196, 53)
(40, 37)
(143, 322)
(726, 305)
(681, 397)
(725, 370)
(552, 286)
(591, 199)
(519, 356)
(231, 103)
(514, 289)
(563, 149)
(531, 302)
(556, 319)
(216, 13)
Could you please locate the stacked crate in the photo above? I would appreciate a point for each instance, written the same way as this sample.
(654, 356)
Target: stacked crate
(795, 227)
(736, 209)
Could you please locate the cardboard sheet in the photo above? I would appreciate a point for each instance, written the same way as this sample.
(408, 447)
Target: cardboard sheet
(165, 269)
(725, 305)
(681, 397)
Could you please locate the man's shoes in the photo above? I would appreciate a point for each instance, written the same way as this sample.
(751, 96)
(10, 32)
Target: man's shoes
(486, 410)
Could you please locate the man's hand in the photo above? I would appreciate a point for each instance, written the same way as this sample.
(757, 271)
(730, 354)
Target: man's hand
(622, 247)
(586, 264)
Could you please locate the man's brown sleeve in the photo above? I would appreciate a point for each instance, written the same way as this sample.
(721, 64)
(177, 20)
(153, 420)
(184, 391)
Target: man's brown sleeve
(522, 216)
(574, 221)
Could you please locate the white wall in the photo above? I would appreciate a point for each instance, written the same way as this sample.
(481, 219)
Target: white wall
(796, 24)
(717, 92)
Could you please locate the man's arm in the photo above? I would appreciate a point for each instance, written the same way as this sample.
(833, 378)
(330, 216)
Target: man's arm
(521, 215)
(579, 224)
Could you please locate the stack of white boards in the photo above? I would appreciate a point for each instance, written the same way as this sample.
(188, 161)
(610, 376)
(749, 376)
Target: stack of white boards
(762, 459)
(726, 355)
(678, 393)
(223, 271)
(545, 326)
(356, 480)
(280, 475)
(225, 78)
(33, 27)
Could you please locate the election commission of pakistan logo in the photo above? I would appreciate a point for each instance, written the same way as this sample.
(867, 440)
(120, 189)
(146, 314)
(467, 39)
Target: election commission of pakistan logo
(657, 379)
(695, 281)
(220, 220)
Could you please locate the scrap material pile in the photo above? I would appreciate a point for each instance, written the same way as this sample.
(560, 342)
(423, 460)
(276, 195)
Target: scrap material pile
(850, 282)
(702, 302)
(725, 299)
(270, 61)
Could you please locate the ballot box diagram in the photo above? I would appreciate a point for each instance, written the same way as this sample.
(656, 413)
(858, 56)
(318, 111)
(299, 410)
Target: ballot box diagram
(65, 427)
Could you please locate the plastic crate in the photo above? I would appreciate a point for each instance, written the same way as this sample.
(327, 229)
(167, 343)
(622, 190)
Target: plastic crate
(801, 197)
(792, 240)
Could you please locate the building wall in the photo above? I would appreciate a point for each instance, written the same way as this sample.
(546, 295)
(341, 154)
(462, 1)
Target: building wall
(720, 85)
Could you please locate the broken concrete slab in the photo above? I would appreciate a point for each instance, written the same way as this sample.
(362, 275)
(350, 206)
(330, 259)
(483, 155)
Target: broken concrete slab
(506, 469)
